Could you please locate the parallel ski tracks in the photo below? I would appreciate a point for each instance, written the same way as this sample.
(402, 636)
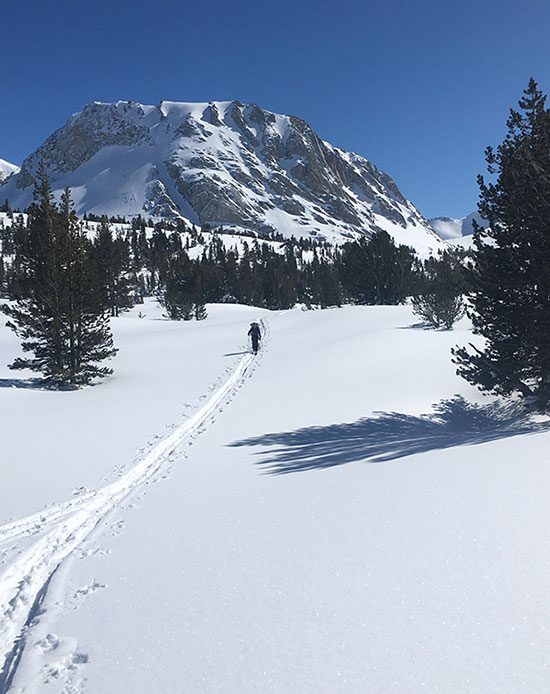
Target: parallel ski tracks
(65, 526)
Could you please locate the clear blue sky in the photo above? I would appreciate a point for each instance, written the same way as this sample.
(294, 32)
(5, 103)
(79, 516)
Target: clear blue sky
(418, 87)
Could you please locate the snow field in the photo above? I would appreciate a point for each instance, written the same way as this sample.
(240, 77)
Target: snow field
(66, 525)
(357, 520)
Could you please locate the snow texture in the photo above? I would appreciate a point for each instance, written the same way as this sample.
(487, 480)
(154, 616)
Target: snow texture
(458, 232)
(7, 169)
(350, 516)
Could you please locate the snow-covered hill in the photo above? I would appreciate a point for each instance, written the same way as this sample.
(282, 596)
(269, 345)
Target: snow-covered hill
(222, 163)
(7, 169)
(351, 517)
(457, 231)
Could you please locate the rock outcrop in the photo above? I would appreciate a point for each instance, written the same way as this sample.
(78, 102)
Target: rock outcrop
(221, 163)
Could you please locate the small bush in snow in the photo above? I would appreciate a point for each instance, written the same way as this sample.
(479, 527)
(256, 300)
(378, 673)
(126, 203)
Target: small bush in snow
(438, 308)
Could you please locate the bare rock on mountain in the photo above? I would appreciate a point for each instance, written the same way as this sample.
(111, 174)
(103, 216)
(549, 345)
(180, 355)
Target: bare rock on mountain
(221, 163)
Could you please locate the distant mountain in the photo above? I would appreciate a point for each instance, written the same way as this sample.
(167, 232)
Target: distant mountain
(221, 163)
(7, 169)
(455, 230)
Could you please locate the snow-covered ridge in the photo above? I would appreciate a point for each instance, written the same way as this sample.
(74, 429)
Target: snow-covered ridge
(449, 228)
(7, 169)
(458, 232)
(223, 163)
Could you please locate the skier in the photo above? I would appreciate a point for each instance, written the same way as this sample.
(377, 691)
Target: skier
(255, 335)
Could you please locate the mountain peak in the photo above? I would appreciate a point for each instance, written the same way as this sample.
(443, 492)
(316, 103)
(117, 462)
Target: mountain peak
(222, 163)
(7, 169)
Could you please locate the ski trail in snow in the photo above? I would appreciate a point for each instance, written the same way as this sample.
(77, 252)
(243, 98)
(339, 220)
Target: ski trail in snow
(68, 524)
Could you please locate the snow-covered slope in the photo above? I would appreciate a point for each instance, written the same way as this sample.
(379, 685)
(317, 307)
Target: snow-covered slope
(222, 163)
(7, 169)
(348, 518)
(455, 229)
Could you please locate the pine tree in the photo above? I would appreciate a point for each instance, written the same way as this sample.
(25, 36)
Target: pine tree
(199, 308)
(376, 271)
(511, 279)
(200, 311)
(439, 299)
(177, 291)
(57, 317)
(112, 258)
(88, 337)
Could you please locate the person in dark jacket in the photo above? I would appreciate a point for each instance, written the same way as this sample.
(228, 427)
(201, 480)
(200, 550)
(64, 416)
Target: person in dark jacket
(255, 336)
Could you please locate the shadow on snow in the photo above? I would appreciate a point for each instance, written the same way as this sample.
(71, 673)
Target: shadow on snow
(392, 435)
(34, 384)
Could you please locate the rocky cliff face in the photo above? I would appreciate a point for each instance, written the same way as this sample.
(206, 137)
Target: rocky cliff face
(222, 163)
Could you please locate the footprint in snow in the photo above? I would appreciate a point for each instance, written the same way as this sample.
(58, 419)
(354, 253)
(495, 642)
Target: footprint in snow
(80, 490)
(117, 526)
(49, 643)
(82, 594)
(93, 552)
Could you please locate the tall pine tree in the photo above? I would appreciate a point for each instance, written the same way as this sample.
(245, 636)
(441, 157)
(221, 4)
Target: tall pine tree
(58, 318)
(511, 261)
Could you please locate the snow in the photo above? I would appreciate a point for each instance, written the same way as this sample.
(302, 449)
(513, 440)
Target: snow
(7, 169)
(341, 513)
(458, 232)
(175, 142)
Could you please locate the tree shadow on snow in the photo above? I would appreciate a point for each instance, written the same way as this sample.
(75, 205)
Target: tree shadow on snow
(33, 384)
(422, 326)
(391, 435)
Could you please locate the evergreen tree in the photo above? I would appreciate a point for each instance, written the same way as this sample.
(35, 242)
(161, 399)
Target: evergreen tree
(376, 271)
(439, 299)
(58, 318)
(510, 274)
(3, 278)
(87, 333)
(118, 282)
(199, 308)
(200, 311)
(177, 292)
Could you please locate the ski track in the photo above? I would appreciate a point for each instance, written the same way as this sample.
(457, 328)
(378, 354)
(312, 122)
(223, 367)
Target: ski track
(68, 524)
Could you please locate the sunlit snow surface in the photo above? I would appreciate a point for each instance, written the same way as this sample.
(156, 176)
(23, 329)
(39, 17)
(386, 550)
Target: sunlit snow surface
(458, 232)
(341, 513)
(7, 169)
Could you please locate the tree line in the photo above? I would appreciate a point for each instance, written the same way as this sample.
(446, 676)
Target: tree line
(64, 278)
(62, 283)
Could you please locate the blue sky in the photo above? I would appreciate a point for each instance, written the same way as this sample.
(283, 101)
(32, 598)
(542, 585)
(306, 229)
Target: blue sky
(420, 88)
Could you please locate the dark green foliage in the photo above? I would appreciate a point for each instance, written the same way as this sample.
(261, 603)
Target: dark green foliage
(118, 282)
(57, 314)
(200, 312)
(199, 308)
(376, 271)
(510, 275)
(439, 299)
(187, 272)
(304, 271)
(177, 294)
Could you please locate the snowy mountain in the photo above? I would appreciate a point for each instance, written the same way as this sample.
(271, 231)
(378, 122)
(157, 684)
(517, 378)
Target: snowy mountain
(7, 169)
(222, 163)
(457, 231)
